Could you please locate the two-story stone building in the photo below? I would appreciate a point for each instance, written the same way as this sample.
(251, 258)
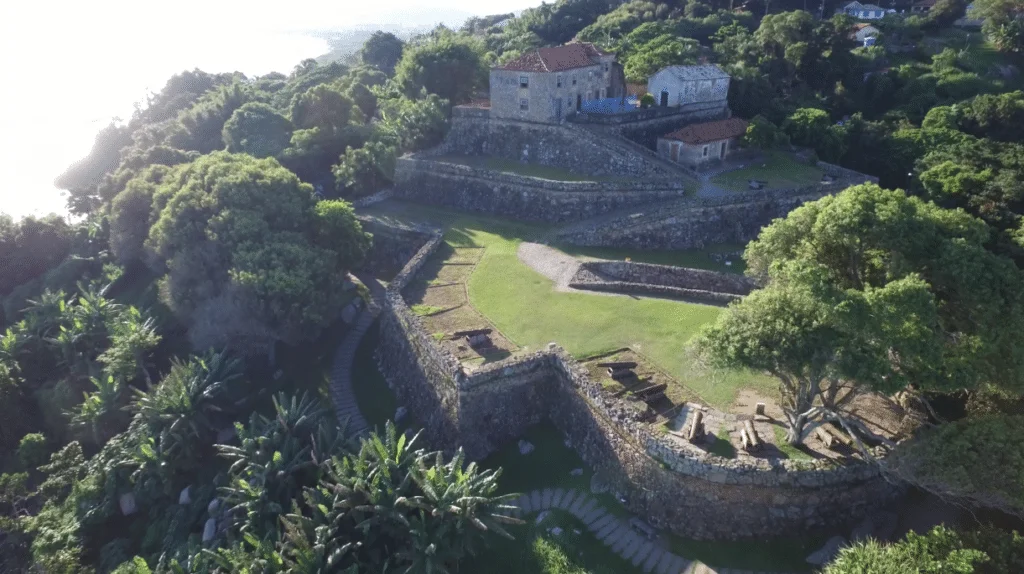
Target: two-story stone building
(548, 84)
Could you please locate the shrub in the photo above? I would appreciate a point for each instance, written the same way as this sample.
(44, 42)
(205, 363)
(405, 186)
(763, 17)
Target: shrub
(33, 450)
(646, 101)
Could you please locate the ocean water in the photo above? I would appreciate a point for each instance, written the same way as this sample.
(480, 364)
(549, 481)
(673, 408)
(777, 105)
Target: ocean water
(60, 87)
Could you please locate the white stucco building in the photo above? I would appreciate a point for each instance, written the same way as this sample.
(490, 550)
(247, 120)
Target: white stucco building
(685, 85)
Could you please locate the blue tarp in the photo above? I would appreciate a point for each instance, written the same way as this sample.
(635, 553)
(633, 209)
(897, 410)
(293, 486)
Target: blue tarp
(609, 106)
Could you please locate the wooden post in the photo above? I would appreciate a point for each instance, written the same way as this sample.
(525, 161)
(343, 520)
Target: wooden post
(755, 441)
(825, 437)
(696, 427)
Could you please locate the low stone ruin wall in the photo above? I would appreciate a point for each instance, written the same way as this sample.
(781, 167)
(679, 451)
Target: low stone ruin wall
(687, 490)
(520, 197)
(661, 280)
(543, 144)
(393, 246)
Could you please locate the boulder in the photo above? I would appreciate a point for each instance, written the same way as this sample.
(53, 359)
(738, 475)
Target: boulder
(209, 529)
(400, 413)
(826, 553)
(184, 497)
(349, 314)
(525, 447)
(213, 506)
(127, 504)
(556, 531)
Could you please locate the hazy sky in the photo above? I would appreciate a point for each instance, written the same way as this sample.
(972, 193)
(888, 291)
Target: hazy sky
(69, 66)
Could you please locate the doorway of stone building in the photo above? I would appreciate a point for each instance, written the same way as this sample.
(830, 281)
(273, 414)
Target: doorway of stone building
(664, 98)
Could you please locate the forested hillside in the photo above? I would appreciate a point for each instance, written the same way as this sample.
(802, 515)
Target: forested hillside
(139, 342)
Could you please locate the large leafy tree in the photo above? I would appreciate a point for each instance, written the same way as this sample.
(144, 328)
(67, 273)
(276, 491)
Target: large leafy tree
(257, 129)
(31, 246)
(451, 67)
(235, 235)
(382, 50)
(871, 289)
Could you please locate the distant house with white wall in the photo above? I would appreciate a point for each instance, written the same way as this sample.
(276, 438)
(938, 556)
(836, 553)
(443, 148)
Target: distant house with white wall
(704, 84)
(865, 11)
(697, 145)
(862, 32)
(548, 84)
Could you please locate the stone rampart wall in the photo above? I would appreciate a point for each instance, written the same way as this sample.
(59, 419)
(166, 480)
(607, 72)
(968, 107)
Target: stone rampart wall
(520, 197)
(543, 144)
(689, 112)
(421, 373)
(661, 280)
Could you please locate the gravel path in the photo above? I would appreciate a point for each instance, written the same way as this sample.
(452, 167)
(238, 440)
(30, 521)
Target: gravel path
(549, 262)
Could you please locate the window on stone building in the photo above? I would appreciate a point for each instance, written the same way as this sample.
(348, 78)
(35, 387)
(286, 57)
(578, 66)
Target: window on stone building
(574, 80)
(524, 81)
(591, 74)
(558, 80)
(705, 151)
(524, 105)
(604, 93)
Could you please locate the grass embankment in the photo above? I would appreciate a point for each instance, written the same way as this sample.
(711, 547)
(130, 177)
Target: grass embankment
(523, 305)
(526, 169)
(779, 169)
(696, 259)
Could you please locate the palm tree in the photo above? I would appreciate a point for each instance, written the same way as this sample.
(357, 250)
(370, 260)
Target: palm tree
(459, 506)
(275, 460)
(179, 410)
(132, 337)
(99, 412)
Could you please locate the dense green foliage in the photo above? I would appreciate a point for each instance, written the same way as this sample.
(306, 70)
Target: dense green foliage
(29, 247)
(940, 551)
(980, 459)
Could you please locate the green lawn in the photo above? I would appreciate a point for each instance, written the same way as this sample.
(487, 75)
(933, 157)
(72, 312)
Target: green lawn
(527, 169)
(779, 169)
(524, 307)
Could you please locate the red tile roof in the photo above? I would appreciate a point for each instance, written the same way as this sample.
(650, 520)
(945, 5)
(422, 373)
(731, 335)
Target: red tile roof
(557, 59)
(709, 131)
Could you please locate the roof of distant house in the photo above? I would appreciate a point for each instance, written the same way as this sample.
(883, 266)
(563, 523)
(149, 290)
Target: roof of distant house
(557, 59)
(701, 72)
(871, 7)
(709, 131)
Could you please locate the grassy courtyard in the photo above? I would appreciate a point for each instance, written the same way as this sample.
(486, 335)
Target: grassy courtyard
(527, 169)
(524, 307)
(779, 169)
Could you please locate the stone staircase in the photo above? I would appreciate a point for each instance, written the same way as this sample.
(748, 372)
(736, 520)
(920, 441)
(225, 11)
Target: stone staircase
(342, 395)
(615, 532)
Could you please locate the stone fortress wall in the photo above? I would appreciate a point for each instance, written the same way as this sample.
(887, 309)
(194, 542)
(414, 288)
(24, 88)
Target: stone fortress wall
(671, 483)
(661, 280)
(521, 197)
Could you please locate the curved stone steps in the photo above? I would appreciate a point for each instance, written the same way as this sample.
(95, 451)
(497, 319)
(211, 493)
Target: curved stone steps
(615, 532)
(342, 395)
